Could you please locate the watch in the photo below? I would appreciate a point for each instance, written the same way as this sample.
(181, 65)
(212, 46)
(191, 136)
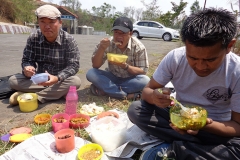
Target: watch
(59, 79)
(127, 66)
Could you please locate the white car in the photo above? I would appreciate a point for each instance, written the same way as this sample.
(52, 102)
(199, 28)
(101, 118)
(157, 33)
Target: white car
(153, 29)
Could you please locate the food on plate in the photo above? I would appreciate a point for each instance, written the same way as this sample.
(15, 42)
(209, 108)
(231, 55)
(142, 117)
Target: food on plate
(79, 120)
(108, 113)
(91, 154)
(59, 120)
(42, 118)
(194, 118)
(92, 109)
(64, 137)
(26, 96)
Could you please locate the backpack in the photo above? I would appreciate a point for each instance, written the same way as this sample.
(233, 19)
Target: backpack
(5, 90)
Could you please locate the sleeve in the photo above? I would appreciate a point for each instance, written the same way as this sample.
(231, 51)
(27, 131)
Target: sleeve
(72, 57)
(28, 58)
(142, 59)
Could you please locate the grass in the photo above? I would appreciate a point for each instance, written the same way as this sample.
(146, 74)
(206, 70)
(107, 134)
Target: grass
(85, 97)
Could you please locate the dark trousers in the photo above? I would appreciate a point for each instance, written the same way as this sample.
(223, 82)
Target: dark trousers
(155, 121)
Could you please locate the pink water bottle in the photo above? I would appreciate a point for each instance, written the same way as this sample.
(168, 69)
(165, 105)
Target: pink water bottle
(71, 101)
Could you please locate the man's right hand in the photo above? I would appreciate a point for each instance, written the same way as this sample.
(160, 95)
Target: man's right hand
(104, 43)
(29, 71)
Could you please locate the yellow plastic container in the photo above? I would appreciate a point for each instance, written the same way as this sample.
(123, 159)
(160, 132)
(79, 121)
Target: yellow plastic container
(28, 105)
(42, 118)
(87, 149)
(118, 58)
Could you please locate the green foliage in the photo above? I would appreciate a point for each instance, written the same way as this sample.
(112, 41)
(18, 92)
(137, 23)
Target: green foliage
(195, 7)
(17, 11)
(175, 18)
(152, 11)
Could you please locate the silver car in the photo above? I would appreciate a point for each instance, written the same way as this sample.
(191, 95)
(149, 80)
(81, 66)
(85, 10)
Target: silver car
(153, 29)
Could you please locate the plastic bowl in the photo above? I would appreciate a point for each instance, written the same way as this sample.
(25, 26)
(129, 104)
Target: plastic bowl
(109, 132)
(39, 78)
(28, 105)
(79, 121)
(91, 149)
(65, 140)
(194, 119)
(118, 58)
(60, 121)
(42, 118)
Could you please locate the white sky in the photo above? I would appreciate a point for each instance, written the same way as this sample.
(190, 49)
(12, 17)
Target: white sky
(164, 5)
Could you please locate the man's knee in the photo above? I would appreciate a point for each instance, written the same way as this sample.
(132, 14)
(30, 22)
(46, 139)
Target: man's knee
(132, 112)
(12, 81)
(75, 81)
(91, 74)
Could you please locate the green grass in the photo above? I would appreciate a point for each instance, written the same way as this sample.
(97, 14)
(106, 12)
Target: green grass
(85, 97)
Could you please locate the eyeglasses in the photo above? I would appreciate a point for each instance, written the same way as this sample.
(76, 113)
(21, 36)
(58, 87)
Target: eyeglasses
(119, 33)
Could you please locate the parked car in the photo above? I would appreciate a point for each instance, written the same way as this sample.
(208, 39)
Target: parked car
(153, 29)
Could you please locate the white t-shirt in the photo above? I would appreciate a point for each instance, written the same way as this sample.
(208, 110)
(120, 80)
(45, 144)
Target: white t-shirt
(218, 93)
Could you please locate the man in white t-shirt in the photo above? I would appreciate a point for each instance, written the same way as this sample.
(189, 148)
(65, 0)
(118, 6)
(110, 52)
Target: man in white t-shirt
(205, 73)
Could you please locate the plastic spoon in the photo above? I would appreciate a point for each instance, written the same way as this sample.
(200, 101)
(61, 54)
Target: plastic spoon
(179, 104)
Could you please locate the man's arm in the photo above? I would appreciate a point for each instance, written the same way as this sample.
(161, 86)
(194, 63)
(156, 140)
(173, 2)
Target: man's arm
(97, 59)
(229, 128)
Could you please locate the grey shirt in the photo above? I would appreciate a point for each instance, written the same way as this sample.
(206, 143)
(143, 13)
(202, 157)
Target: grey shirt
(218, 93)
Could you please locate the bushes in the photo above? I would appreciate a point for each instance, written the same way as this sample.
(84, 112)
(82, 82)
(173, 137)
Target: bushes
(17, 11)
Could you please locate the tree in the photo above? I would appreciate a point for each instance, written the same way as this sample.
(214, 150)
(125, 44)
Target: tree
(195, 7)
(175, 18)
(138, 14)
(152, 11)
(73, 5)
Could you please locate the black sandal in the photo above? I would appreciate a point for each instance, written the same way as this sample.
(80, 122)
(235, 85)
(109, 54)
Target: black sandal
(95, 91)
(137, 96)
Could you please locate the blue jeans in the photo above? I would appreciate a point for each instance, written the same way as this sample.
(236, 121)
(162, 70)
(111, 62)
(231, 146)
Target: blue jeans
(116, 87)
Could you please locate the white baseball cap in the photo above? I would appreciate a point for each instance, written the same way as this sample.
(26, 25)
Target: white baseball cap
(48, 11)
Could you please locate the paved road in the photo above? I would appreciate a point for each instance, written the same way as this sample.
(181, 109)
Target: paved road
(11, 48)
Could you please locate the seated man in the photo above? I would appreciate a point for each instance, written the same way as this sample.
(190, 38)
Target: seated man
(50, 50)
(205, 73)
(122, 80)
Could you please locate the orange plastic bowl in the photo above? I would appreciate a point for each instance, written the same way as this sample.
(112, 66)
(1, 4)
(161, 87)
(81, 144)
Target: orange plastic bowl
(79, 120)
(42, 118)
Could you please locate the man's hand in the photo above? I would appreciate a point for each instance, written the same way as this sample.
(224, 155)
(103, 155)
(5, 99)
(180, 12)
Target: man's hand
(29, 71)
(122, 65)
(51, 80)
(161, 99)
(104, 43)
(192, 132)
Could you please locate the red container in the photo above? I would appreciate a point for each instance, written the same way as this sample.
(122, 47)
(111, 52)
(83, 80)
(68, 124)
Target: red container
(79, 120)
(65, 140)
(60, 121)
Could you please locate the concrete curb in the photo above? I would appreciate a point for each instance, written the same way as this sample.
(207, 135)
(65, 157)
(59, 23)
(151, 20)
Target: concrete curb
(8, 28)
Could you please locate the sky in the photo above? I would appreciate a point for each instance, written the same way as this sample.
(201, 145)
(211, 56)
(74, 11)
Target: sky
(164, 5)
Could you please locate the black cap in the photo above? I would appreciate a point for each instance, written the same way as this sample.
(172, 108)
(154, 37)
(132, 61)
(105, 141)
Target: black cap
(123, 23)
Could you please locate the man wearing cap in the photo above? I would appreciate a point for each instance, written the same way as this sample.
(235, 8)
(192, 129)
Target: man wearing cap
(121, 80)
(48, 50)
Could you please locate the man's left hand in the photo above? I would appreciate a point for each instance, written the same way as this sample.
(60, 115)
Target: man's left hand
(192, 132)
(51, 80)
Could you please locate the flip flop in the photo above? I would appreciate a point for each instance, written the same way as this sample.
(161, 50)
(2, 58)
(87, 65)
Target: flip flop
(95, 91)
(137, 96)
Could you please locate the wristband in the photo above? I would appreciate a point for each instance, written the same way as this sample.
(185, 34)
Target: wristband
(126, 67)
